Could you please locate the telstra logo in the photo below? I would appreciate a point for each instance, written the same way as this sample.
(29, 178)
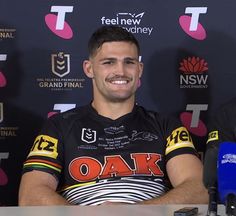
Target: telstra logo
(3, 175)
(59, 108)
(190, 24)
(3, 81)
(191, 120)
(57, 23)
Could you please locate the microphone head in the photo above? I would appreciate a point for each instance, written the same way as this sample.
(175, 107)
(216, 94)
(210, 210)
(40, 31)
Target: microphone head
(226, 170)
(210, 167)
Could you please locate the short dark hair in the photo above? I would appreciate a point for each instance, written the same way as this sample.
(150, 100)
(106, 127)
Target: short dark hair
(110, 33)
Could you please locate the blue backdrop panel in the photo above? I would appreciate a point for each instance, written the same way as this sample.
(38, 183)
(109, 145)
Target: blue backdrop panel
(188, 49)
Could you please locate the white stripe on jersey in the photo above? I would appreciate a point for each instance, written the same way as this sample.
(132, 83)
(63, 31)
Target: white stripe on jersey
(126, 190)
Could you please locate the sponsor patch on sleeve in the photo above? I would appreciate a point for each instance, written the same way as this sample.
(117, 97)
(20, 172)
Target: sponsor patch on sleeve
(179, 138)
(44, 146)
(213, 136)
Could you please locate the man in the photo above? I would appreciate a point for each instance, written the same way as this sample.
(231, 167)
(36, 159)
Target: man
(112, 150)
(222, 126)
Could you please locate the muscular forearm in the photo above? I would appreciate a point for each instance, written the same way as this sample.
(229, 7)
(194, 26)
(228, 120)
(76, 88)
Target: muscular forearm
(42, 195)
(189, 192)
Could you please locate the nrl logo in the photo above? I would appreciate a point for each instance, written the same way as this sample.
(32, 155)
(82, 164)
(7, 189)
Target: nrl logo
(60, 64)
(88, 135)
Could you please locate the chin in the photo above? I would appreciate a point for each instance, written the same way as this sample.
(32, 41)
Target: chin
(119, 99)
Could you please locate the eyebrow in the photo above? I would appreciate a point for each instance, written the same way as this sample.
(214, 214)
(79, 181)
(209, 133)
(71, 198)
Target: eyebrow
(113, 59)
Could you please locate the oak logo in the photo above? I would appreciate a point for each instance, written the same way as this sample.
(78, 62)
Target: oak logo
(88, 135)
(193, 73)
(179, 138)
(44, 146)
(60, 64)
(88, 169)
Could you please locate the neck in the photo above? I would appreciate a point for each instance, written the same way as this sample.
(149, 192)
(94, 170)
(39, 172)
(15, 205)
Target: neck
(113, 110)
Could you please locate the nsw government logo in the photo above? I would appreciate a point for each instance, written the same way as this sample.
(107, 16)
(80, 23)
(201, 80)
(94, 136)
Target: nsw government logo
(193, 73)
(130, 21)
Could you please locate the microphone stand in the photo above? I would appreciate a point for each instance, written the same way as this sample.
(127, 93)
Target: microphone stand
(212, 205)
(230, 205)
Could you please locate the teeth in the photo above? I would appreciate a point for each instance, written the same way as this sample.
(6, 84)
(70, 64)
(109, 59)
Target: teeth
(119, 82)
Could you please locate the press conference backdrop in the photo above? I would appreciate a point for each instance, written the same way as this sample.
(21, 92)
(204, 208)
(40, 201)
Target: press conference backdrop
(188, 48)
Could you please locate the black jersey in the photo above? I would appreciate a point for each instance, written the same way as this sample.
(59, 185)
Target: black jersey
(97, 159)
(222, 126)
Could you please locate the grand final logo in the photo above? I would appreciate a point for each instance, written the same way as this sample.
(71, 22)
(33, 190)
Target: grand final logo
(5, 130)
(60, 64)
(7, 34)
(59, 79)
(193, 71)
(130, 21)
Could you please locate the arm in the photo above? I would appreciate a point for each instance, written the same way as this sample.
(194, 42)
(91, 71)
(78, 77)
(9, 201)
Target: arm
(185, 174)
(39, 188)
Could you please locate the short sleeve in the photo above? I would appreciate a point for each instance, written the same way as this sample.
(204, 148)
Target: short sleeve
(178, 139)
(222, 125)
(46, 152)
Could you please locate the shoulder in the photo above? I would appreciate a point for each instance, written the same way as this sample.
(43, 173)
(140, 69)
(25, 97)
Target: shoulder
(229, 106)
(163, 121)
(226, 112)
(70, 116)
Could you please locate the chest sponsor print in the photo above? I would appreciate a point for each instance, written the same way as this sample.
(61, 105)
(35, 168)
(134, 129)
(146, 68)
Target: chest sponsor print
(84, 169)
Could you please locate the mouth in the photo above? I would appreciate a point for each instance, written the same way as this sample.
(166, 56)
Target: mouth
(119, 80)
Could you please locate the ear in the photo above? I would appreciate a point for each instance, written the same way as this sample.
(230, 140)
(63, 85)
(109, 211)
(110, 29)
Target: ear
(140, 69)
(87, 67)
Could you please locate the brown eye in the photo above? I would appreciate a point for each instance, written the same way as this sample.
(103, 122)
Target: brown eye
(130, 62)
(108, 62)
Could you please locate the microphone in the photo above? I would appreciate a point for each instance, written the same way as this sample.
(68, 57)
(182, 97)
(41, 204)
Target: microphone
(227, 176)
(210, 178)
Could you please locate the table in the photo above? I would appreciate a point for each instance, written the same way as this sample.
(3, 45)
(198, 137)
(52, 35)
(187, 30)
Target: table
(103, 210)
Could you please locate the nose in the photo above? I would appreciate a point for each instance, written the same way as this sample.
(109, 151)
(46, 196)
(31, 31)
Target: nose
(120, 68)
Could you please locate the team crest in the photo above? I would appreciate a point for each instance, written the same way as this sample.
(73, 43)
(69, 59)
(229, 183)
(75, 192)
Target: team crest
(88, 135)
(60, 64)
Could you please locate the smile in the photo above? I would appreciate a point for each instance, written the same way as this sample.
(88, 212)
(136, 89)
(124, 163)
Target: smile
(119, 82)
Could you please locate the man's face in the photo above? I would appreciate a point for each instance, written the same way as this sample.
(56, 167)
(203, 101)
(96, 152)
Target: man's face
(115, 70)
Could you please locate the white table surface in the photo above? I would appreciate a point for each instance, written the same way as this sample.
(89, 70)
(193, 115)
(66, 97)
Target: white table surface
(103, 210)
